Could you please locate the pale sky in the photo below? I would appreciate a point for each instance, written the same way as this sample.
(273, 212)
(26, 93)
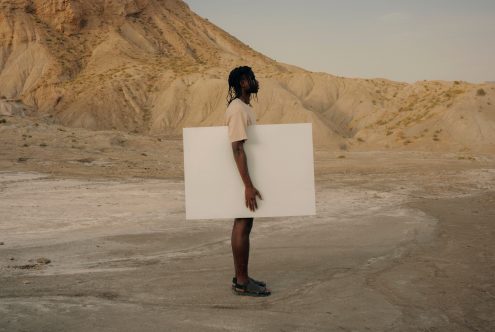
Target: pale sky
(402, 40)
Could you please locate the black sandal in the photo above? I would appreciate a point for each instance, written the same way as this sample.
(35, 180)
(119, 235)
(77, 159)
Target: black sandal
(258, 282)
(250, 289)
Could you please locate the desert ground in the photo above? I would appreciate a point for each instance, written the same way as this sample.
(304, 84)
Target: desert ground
(93, 237)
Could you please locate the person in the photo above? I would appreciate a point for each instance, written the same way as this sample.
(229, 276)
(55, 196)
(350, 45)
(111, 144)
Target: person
(240, 115)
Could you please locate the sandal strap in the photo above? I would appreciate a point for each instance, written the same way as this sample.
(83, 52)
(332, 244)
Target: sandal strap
(251, 287)
(261, 283)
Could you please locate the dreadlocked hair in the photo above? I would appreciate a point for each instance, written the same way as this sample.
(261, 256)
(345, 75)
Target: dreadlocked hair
(235, 78)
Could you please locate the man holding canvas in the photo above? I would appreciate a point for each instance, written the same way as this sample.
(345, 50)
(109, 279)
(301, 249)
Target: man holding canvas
(240, 115)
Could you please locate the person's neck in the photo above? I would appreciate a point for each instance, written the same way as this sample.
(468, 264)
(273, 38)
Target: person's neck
(246, 98)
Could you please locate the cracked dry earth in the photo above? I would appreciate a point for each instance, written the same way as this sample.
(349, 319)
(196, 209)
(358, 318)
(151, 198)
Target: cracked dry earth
(400, 242)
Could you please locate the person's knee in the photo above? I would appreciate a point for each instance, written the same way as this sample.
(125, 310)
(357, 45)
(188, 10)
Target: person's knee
(244, 224)
(244, 220)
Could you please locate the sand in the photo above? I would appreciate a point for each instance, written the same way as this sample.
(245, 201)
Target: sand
(401, 242)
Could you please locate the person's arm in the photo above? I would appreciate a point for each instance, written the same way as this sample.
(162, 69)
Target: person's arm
(250, 191)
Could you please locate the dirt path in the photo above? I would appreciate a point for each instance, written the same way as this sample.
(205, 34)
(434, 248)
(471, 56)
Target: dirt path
(404, 248)
(449, 282)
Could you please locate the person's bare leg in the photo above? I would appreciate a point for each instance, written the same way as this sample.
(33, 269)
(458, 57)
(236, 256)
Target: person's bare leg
(240, 247)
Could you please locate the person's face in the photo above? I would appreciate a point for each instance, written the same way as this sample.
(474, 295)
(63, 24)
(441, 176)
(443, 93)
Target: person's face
(250, 84)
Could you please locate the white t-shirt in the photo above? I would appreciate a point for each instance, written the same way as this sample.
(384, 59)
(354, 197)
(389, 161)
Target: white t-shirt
(238, 116)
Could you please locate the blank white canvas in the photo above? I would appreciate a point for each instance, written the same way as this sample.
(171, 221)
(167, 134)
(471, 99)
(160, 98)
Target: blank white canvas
(280, 163)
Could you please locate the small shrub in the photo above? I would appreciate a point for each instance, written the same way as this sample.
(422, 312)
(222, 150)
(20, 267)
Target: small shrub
(29, 9)
(341, 157)
(466, 158)
(360, 139)
(85, 160)
(480, 92)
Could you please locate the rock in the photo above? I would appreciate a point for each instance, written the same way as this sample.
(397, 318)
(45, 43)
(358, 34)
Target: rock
(64, 16)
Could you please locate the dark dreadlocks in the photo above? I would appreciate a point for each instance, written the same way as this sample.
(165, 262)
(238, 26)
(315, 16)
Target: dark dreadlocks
(235, 77)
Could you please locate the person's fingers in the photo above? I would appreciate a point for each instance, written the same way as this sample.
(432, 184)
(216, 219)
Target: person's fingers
(258, 193)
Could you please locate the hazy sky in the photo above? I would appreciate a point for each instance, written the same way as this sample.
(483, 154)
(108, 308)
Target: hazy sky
(404, 40)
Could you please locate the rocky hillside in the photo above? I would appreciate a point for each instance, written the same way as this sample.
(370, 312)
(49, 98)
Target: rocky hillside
(154, 66)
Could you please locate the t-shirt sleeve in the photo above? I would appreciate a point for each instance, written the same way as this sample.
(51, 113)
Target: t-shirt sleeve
(237, 123)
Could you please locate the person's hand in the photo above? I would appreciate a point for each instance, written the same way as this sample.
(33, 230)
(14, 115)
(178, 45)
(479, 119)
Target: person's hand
(250, 194)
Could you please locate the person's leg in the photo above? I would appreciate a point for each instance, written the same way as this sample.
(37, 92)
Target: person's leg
(240, 247)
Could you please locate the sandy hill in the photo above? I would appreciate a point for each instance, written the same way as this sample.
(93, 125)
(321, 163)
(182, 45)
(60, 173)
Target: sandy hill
(154, 66)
